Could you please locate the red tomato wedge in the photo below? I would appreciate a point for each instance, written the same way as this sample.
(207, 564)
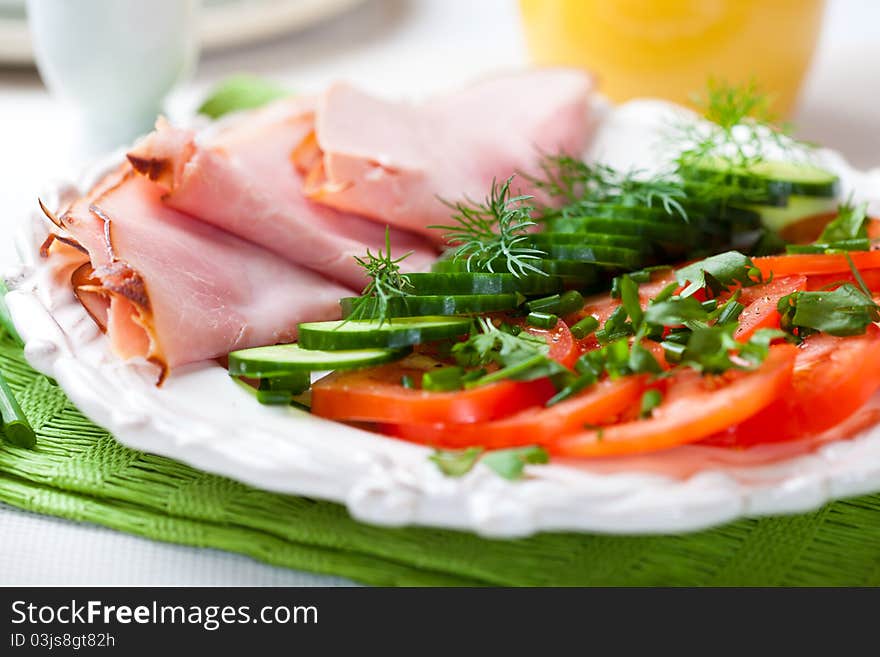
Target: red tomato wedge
(693, 408)
(833, 377)
(760, 304)
(600, 404)
(812, 264)
(377, 395)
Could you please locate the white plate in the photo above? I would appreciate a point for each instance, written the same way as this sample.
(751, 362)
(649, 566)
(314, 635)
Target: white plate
(222, 23)
(202, 418)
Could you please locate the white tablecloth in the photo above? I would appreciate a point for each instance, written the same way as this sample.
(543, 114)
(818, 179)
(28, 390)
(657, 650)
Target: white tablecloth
(395, 47)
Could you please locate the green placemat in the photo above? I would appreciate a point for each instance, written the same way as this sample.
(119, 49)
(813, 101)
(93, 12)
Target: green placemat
(79, 471)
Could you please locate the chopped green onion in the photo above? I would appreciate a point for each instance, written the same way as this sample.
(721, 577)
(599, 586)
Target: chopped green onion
(16, 427)
(407, 382)
(6, 318)
(443, 380)
(542, 320)
(282, 389)
(570, 302)
(456, 463)
(544, 304)
(650, 400)
(584, 327)
(856, 244)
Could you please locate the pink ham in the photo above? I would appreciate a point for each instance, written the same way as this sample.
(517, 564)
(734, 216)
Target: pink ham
(174, 290)
(242, 179)
(392, 160)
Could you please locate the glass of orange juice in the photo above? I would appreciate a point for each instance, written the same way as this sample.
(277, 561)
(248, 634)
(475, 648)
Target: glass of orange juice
(670, 48)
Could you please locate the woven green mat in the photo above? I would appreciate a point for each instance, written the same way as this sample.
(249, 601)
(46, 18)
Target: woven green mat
(79, 472)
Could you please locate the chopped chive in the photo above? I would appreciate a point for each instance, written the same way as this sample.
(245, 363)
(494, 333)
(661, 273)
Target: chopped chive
(730, 312)
(709, 305)
(6, 318)
(542, 320)
(443, 380)
(584, 327)
(650, 400)
(673, 351)
(16, 427)
(544, 304)
(279, 390)
(570, 302)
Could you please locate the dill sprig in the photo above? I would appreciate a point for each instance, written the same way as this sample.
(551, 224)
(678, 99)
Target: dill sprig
(494, 232)
(386, 282)
(739, 128)
(580, 184)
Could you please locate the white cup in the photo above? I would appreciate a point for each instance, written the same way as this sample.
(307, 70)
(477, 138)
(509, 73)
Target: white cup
(114, 61)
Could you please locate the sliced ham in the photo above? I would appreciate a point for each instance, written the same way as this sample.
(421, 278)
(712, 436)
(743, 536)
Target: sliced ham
(242, 179)
(392, 161)
(174, 290)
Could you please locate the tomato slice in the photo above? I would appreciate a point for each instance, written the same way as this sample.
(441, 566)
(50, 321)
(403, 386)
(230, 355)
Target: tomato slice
(377, 395)
(600, 404)
(871, 277)
(694, 407)
(760, 304)
(812, 264)
(833, 377)
(563, 348)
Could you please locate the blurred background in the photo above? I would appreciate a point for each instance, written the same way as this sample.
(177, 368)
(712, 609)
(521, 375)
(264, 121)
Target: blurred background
(108, 63)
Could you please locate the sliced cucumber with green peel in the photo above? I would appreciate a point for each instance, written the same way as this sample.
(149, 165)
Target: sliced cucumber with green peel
(775, 180)
(372, 333)
(617, 211)
(799, 207)
(435, 304)
(291, 359)
(464, 282)
(651, 230)
(608, 257)
(799, 178)
(543, 240)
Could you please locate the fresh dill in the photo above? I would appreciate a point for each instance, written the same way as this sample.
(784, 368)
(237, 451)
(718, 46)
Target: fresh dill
(494, 233)
(580, 184)
(386, 282)
(739, 129)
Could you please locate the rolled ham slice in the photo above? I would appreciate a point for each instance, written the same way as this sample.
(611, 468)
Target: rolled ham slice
(393, 161)
(242, 179)
(174, 290)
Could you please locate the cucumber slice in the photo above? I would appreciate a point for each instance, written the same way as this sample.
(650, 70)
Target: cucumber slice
(483, 283)
(801, 179)
(612, 257)
(777, 180)
(617, 211)
(651, 230)
(553, 267)
(798, 208)
(544, 240)
(450, 304)
(291, 359)
(370, 333)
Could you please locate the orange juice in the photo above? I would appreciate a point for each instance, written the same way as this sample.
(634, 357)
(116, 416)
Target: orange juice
(669, 48)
